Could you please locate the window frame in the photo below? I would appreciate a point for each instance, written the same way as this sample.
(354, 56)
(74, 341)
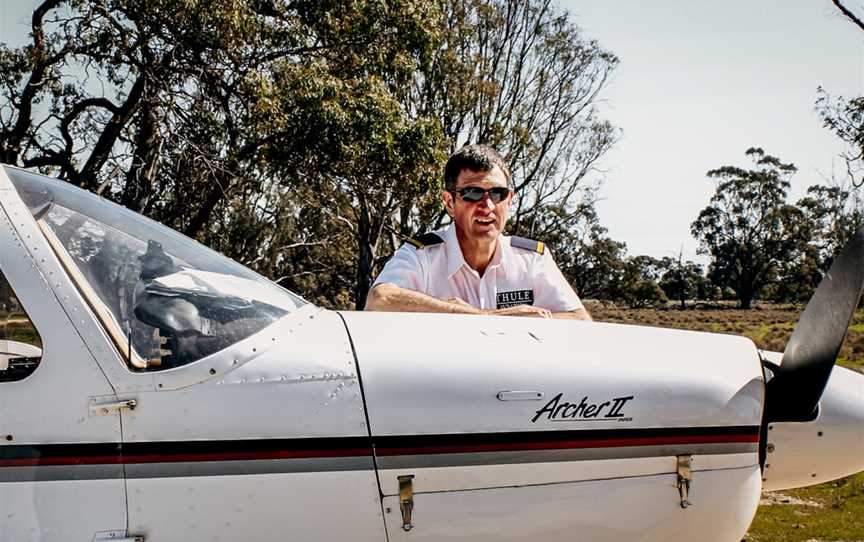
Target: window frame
(100, 310)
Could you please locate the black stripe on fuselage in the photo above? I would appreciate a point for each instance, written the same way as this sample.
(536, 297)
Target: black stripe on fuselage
(258, 456)
(586, 438)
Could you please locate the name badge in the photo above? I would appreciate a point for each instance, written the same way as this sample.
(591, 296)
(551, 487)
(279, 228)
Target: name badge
(516, 297)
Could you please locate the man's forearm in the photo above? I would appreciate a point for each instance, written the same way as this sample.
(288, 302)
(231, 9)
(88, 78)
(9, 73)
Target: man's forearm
(389, 297)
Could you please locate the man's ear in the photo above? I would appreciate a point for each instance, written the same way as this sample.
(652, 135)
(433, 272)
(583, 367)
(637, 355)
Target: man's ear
(447, 198)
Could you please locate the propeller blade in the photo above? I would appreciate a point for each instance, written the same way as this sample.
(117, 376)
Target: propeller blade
(794, 392)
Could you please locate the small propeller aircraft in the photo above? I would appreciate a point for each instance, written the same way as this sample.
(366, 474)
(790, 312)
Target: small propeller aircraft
(154, 390)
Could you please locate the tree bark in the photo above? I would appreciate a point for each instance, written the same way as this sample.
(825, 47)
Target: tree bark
(196, 224)
(141, 177)
(365, 256)
(88, 177)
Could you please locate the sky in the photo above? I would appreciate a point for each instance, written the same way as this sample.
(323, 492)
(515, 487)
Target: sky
(699, 82)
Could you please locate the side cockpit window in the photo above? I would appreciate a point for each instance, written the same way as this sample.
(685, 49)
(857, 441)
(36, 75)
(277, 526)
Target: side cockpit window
(20, 344)
(165, 300)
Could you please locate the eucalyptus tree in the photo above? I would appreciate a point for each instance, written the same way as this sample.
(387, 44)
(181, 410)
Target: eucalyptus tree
(207, 115)
(520, 76)
(748, 229)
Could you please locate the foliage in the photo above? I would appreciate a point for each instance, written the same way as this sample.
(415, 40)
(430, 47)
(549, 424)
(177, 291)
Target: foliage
(834, 213)
(638, 286)
(845, 117)
(588, 258)
(684, 281)
(207, 123)
(305, 139)
(521, 77)
(748, 229)
(242, 119)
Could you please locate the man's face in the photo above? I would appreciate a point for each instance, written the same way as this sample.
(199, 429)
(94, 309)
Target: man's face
(483, 220)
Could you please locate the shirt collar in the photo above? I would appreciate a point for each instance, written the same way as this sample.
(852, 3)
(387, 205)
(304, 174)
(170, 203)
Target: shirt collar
(455, 258)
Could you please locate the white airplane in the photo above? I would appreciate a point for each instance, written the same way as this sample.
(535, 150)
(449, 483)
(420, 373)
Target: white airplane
(173, 395)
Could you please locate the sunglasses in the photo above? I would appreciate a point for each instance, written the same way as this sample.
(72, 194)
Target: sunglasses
(473, 194)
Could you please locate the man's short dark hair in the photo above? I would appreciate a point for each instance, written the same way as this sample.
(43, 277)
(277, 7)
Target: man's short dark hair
(474, 158)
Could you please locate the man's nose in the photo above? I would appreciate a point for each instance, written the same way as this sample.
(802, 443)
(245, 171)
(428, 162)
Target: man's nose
(487, 201)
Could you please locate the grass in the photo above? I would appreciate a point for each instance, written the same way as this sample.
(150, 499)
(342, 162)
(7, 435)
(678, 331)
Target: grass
(21, 330)
(833, 511)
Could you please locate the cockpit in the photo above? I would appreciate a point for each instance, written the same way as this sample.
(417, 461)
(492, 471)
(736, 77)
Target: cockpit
(164, 299)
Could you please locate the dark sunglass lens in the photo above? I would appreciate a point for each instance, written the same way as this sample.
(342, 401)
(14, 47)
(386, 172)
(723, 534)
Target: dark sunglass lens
(498, 193)
(472, 193)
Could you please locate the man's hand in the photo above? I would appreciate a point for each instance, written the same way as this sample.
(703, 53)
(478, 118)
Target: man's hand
(523, 310)
(578, 314)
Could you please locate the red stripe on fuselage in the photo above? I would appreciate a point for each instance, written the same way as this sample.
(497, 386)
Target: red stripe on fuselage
(197, 451)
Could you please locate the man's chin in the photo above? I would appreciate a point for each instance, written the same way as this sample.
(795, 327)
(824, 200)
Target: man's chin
(488, 232)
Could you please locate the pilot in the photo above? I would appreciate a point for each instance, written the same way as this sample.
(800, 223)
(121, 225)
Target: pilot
(470, 267)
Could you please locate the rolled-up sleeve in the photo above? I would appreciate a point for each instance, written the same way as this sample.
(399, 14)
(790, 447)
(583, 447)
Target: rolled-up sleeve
(551, 289)
(405, 269)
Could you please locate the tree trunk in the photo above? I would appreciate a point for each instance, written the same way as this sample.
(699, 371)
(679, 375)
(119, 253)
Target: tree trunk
(745, 298)
(141, 177)
(365, 256)
(88, 177)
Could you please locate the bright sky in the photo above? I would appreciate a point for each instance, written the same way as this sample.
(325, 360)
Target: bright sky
(699, 82)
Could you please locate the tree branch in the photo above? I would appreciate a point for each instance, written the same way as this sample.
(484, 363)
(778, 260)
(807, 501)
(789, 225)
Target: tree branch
(41, 62)
(849, 15)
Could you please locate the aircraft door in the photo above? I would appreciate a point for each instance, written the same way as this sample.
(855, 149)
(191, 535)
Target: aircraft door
(59, 478)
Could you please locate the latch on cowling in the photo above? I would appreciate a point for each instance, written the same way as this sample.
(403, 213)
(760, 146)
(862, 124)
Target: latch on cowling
(116, 536)
(109, 404)
(685, 476)
(406, 499)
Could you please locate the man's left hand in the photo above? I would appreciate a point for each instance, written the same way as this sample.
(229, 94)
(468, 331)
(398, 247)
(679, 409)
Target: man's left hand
(523, 310)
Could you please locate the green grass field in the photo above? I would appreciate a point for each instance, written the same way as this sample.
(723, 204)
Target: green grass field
(828, 512)
(18, 328)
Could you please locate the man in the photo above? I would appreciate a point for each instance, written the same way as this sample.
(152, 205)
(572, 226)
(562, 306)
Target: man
(471, 267)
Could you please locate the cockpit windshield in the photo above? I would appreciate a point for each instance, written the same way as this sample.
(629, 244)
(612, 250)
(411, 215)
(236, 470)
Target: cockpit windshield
(165, 299)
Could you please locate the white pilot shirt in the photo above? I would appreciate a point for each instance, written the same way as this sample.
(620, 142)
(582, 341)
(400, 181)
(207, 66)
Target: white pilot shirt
(515, 276)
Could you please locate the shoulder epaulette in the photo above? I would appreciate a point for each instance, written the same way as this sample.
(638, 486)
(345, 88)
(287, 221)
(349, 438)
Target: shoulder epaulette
(527, 244)
(425, 240)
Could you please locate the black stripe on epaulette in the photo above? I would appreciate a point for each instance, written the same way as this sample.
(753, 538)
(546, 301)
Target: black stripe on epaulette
(528, 244)
(425, 240)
